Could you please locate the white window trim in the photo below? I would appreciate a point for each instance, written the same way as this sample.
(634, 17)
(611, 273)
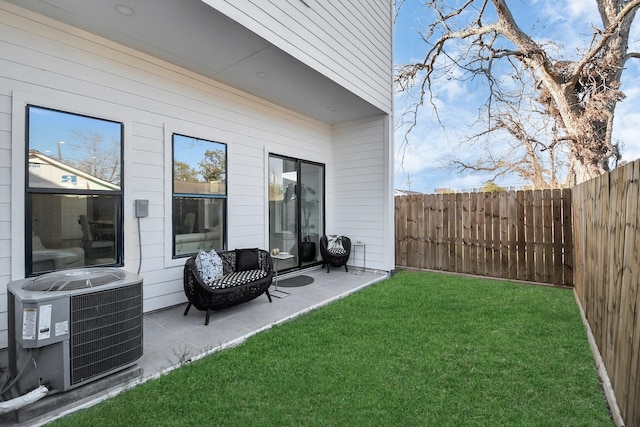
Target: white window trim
(195, 131)
(70, 103)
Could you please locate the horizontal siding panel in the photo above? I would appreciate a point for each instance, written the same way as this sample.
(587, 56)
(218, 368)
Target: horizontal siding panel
(145, 157)
(5, 210)
(365, 177)
(364, 206)
(5, 121)
(361, 158)
(153, 258)
(5, 248)
(371, 164)
(5, 159)
(149, 171)
(358, 186)
(159, 302)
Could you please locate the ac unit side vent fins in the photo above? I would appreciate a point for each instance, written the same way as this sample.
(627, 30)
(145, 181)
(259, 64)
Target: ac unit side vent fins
(106, 331)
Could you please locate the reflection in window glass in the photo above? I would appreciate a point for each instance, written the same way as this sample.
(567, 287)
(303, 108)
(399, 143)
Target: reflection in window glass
(72, 151)
(199, 166)
(199, 195)
(198, 224)
(73, 191)
(73, 231)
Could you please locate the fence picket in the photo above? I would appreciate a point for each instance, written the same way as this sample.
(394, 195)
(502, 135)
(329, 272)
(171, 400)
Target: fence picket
(451, 201)
(521, 241)
(466, 232)
(504, 234)
(481, 251)
(518, 235)
(495, 231)
(529, 237)
(556, 240)
(473, 232)
(538, 227)
(567, 241)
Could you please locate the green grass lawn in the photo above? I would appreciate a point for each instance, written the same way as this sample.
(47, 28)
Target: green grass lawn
(419, 349)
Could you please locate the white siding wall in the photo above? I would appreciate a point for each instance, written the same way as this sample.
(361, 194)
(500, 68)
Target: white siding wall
(361, 182)
(346, 40)
(53, 65)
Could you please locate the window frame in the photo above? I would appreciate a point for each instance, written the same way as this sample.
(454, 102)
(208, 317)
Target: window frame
(224, 222)
(29, 191)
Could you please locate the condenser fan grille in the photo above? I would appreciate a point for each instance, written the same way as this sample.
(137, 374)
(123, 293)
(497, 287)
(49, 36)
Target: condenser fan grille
(75, 279)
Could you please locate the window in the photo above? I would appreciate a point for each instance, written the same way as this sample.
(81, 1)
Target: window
(73, 191)
(199, 195)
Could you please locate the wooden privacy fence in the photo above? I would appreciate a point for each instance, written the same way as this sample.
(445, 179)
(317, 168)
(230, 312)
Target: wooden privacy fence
(523, 235)
(607, 276)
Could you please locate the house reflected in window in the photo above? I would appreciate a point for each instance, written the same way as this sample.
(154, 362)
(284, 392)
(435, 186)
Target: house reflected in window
(74, 194)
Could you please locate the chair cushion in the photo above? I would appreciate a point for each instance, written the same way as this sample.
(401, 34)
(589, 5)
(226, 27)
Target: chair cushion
(209, 266)
(247, 259)
(238, 278)
(334, 245)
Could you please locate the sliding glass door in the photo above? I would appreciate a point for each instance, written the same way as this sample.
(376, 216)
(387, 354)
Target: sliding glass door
(296, 210)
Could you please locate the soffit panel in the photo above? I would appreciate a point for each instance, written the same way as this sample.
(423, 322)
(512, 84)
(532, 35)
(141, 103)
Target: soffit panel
(193, 35)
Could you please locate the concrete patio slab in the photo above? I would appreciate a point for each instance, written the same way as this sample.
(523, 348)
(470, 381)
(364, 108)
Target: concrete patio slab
(172, 339)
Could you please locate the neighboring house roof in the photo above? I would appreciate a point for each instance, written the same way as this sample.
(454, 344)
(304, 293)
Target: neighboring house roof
(45, 171)
(398, 192)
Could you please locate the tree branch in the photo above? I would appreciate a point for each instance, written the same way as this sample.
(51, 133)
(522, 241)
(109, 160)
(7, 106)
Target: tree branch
(611, 29)
(635, 55)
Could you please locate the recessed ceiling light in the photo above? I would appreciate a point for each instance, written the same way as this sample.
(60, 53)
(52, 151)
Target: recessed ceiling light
(262, 74)
(123, 9)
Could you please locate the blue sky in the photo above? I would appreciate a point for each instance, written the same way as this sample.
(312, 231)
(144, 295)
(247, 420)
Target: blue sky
(420, 166)
(50, 131)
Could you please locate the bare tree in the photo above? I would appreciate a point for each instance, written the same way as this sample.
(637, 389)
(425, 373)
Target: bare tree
(96, 156)
(513, 140)
(481, 39)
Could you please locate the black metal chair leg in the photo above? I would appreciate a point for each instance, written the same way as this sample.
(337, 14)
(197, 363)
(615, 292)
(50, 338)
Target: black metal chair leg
(206, 321)
(268, 295)
(328, 267)
(345, 268)
(187, 310)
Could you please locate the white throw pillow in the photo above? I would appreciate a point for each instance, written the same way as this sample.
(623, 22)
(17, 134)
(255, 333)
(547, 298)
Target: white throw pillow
(334, 245)
(209, 266)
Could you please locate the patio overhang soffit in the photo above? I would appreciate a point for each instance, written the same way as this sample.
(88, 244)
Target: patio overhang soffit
(193, 35)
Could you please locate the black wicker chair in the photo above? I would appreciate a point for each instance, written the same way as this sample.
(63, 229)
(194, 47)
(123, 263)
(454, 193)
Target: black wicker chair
(331, 258)
(234, 288)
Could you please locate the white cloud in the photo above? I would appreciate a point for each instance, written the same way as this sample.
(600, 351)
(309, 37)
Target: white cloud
(584, 10)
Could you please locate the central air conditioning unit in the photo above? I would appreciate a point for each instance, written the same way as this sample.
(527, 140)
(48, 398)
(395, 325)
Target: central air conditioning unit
(71, 327)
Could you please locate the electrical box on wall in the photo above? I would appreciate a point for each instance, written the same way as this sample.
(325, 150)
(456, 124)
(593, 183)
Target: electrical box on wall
(142, 208)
